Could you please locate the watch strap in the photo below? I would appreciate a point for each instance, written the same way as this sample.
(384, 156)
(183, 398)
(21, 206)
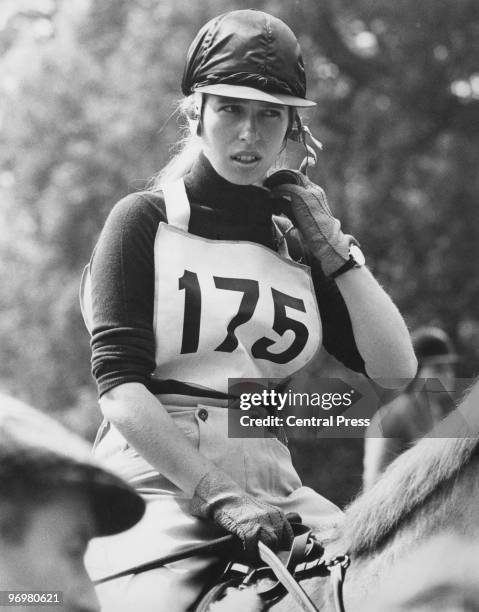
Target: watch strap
(348, 265)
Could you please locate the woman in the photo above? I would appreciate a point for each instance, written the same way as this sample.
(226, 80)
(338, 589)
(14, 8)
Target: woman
(192, 284)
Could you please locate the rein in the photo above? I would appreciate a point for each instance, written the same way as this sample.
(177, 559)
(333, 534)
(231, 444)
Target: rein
(286, 579)
(337, 567)
(285, 573)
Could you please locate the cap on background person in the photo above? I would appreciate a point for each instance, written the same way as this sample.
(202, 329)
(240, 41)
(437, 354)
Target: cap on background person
(247, 54)
(433, 346)
(38, 453)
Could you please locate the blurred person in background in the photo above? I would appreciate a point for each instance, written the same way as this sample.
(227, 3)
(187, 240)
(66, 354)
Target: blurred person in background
(53, 499)
(202, 279)
(397, 425)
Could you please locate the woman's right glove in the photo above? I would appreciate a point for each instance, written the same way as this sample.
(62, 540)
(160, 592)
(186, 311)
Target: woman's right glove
(217, 497)
(321, 230)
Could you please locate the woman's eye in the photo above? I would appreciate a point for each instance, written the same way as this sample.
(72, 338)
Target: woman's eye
(230, 108)
(272, 112)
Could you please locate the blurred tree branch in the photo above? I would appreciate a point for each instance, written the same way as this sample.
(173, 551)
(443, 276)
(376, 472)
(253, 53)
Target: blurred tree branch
(320, 22)
(323, 29)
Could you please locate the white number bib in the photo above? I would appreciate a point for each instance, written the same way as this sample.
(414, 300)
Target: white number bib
(227, 309)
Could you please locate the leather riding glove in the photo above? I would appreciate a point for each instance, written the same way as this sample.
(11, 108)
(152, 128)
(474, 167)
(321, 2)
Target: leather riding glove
(320, 229)
(219, 498)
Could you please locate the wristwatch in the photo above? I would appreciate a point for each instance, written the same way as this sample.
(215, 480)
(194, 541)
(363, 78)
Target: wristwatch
(356, 260)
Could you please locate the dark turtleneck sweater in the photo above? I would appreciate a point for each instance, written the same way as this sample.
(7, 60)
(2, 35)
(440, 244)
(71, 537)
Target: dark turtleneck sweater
(123, 274)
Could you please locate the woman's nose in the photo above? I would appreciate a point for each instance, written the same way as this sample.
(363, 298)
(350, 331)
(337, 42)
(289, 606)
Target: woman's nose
(248, 130)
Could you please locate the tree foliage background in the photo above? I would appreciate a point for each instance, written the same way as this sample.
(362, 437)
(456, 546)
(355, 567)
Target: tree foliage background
(87, 98)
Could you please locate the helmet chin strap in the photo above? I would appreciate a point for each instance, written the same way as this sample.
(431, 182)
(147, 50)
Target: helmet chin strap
(194, 118)
(301, 133)
(311, 158)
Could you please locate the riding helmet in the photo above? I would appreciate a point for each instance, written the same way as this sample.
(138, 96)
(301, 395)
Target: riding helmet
(433, 346)
(247, 54)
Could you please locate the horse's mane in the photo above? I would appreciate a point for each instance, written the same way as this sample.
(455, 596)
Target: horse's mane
(418, 484)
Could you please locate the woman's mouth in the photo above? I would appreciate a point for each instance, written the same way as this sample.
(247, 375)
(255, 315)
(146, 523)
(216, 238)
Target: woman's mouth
(246, 158)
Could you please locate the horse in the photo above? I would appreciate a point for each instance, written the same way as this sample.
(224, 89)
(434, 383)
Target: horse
(413, 538)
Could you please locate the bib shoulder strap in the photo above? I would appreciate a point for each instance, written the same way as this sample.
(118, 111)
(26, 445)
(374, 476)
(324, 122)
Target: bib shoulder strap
(85, 298)
(177, 204)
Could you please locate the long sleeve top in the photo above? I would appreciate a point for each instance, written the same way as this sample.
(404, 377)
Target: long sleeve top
(122, 275)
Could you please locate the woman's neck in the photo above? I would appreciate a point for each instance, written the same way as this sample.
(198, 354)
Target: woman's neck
(204, 184)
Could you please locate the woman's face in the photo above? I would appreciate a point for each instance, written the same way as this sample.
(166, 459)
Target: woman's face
(242, 138)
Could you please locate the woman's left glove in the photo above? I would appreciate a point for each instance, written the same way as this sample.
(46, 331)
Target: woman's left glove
(321, 230)
(219, 498)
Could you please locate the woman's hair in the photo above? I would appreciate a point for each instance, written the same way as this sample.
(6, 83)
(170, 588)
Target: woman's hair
(189, 146)
(185, 151)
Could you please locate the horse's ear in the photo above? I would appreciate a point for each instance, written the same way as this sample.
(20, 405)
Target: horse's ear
(246, 600)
